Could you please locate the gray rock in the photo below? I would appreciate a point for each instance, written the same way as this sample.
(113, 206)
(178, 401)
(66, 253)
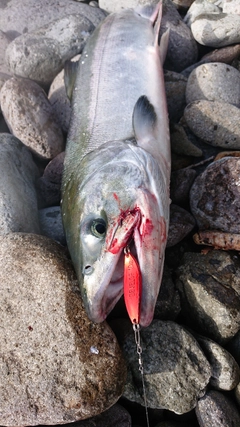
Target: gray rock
(216, 409)
(198, 8)
(214, 82)
(56, 366)
(175, 86)
(231, 6)
(116, 416)
(181, 224)
(181, 144)
(111, 6)
(18, 199)
(225, 370)
(60, 102)
(3, 78)
(216, 30)
(182, 48)
(168, 303)
(4, 42)
(51, 224)
(217, 123)
(30, 15)
(181, 182)
(40, 55)
(176, 371)
(49, 184)
(209, 290)
(30, 117)
(237, 394)
(214, 196)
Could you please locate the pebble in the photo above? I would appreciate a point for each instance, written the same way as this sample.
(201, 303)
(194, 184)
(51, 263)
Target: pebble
(3, 78)
(4, 42)
(214, 82)
(217, 123)
(116, 416)
(181, 144)
(53, 359)
(180, 184)
(215, 196)
(60, 102)
(231, 6)
(181, 224)
(216, 29)
(40, 55)
(49, 184)
(175, 86)
(216, 409)
(199, 8)
(210, 296)
(30, 15)
(51, 225)
(30, 117)
(176, 370)
(168, 304)
(225, 370)
(18, 198)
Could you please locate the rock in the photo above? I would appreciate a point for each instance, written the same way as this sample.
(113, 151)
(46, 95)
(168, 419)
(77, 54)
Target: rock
(181, 224)
(51, 224)
(3, 78)
(56, 366)
(116, 416)
(30, 15)
(214, 196)
(182, 48)
(181, 144)
(60, 102)
(225, 370)
(181, 182)
(18, 199)
(231, 6)
(198, 8)
(172, 423)
(176, 371)
(175, 86)
(214, 82)
(49, 184)
(210, 296)
(4, 42)
(217, 123)
(30, 117)
(216, 409)
(183, 4)
(111, 6)
(168, 303)
(224, 54)
(237, 394)
(216, 29)
(40, 55)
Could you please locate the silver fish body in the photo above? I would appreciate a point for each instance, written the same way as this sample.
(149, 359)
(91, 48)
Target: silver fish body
(116, 176)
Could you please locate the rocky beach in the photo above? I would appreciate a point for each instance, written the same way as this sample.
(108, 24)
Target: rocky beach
(56, 366)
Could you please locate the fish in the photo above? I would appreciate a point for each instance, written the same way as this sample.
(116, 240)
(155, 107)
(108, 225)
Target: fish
(115, 185)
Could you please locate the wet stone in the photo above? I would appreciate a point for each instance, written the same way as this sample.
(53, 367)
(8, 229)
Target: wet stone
(18, 198)
(181, 224)
(176, 370)
(209, 289)
(214, 82)
(225, 370)
(216, 409)
(214, 196)
(56, 366)
(30, 117)
(216, 123)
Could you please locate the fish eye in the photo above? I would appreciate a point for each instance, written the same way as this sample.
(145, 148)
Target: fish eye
(98, 227)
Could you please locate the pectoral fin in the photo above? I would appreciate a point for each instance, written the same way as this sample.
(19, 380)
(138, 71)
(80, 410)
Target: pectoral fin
(144, 121)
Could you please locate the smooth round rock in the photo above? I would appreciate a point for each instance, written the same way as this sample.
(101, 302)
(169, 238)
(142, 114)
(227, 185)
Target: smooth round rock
(60, 102)
(49, 185)
(56, 366)
(18, 198)
(29, 15)
(4, 42)
(168, 302)
(214, 82)
(181, 182)
(51, 225)
(30, 117)
(175, 87)
(181, 224)
(181, 144)
(216, 409)
(216, 29)
(198, 8)
(231, 6)
(215, 196)
(216, 123)
(176, 370)
(225, 370)
(116, 416)
(40, 55)
(112, 6)
(209, 286)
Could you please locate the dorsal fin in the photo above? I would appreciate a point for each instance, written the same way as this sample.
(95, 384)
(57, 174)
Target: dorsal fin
(144, 120)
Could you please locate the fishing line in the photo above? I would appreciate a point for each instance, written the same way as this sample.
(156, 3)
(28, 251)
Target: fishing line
(132, 297)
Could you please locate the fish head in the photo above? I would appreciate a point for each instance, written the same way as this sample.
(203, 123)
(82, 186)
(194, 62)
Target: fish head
(119, 200)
